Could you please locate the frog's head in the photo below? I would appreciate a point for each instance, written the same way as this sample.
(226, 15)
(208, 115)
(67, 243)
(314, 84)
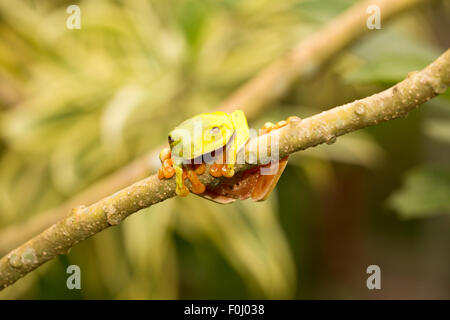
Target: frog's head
(201, 134)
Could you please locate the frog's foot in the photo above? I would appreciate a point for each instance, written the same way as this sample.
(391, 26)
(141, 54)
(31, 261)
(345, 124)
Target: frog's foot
(166, 171)
(228, 170)
(191, 174)
(269, 126)
(182, 190)
(222, 169)
(219, 169)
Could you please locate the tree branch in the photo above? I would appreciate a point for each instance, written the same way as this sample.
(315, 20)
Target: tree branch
(84, 222)
(265, 88)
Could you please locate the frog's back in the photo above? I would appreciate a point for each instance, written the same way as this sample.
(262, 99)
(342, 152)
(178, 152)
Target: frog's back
(208, 132)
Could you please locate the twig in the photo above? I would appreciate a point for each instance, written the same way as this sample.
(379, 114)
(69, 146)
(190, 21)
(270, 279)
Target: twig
(84, 222)
(268, 86)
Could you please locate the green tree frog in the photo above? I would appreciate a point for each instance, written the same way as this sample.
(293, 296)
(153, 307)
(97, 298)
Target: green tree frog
(216, 135)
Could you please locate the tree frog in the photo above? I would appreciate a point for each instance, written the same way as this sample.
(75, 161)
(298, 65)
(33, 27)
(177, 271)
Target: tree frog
(215, 134)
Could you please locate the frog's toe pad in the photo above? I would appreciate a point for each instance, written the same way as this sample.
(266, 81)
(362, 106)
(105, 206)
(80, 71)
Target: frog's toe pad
(227, 171)
(166, 171)
(182, 191)
(197, 186)
(216, 170)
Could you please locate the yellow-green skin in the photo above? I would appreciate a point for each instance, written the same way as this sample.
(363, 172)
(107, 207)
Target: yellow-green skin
(205, 133)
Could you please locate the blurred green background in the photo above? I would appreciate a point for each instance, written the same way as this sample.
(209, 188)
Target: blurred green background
(75, 105)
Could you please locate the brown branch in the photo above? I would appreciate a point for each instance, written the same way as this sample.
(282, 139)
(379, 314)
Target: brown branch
(84, 222)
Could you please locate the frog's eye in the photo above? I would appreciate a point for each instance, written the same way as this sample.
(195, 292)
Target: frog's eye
(215, 130)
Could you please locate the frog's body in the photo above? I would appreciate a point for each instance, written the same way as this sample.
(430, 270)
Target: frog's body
(212, 133)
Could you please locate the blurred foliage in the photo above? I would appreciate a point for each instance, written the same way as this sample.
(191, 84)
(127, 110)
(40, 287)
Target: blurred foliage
(426, 191)
(390, 55)
(77, 104)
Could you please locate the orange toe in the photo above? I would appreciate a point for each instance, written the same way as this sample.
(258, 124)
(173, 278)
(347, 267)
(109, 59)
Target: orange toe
(216, 170)
(280, 124)
(200, 169)
(197, 186)
(169, 172)
(227, 172)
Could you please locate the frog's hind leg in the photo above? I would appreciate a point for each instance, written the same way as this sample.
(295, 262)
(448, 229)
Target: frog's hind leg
(241, 136)
(266, 183)
(230, 151)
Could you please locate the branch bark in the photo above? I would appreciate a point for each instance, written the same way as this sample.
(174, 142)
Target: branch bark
(266, 87)
(85, 222)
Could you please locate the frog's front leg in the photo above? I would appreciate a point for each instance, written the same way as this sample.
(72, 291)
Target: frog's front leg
(169, 168)
(181, 188)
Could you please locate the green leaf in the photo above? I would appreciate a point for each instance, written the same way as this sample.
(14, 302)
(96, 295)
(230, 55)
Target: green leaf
(322, 11)
(426, 192)
(437, 122)
(438, 129)
(388, 56)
